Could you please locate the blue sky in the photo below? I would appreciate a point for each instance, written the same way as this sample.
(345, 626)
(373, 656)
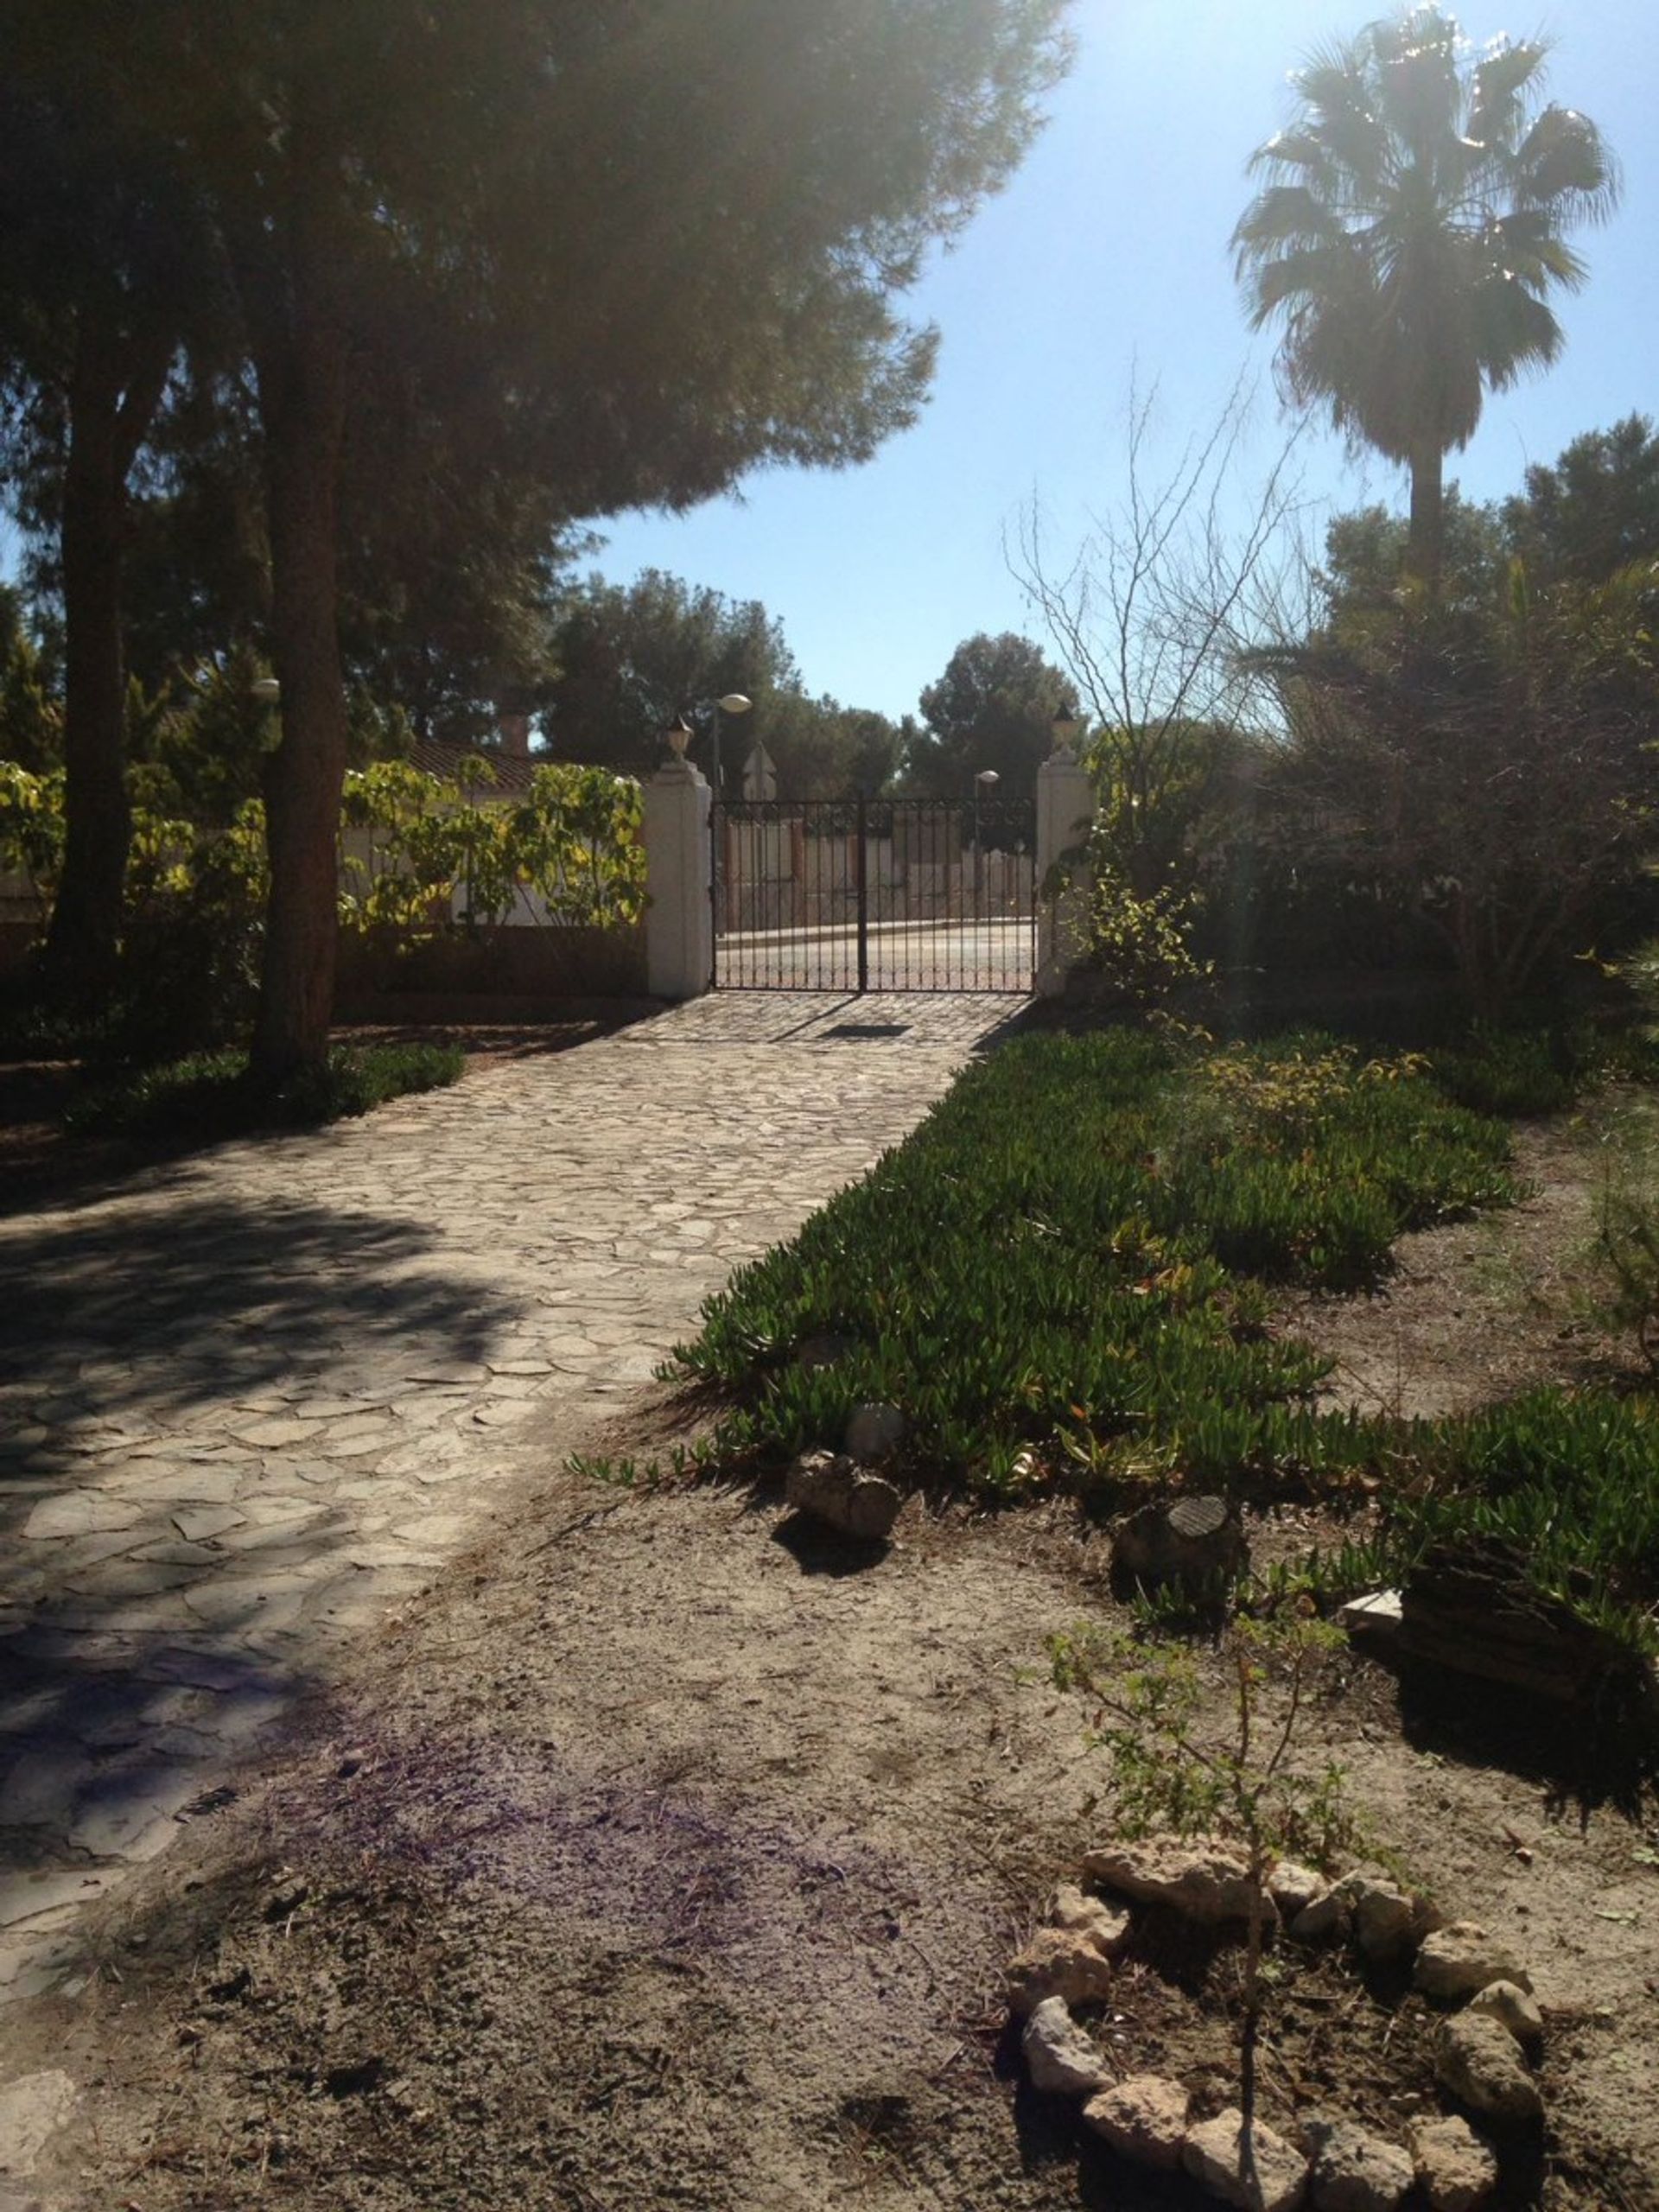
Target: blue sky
(1108, 255)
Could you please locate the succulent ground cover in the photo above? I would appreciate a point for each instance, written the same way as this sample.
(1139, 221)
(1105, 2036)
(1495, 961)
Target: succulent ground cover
(1064, 1280)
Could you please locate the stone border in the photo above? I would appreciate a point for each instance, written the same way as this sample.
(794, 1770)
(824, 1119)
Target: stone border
(1493, 2027)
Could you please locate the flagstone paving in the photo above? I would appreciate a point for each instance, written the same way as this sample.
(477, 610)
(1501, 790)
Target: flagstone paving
(249, 1402)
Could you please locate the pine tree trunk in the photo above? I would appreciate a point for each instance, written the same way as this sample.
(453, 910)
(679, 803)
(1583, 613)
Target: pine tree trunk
(302, 386)
(1426, 538)
(84, 937)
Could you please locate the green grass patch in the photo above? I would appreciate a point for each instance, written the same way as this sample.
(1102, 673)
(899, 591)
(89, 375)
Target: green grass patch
(209, 1095)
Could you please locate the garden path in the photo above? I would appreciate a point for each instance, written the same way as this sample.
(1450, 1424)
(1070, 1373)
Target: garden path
(251, 1400)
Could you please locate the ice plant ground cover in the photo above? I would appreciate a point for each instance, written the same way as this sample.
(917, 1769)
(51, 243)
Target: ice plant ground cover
(1065, 1279)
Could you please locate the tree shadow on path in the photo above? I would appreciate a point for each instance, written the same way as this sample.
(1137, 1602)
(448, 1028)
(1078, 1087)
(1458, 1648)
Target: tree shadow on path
(170, 1308)
(167, 1552)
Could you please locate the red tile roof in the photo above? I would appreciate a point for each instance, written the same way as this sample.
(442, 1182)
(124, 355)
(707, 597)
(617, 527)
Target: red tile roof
(436, 756)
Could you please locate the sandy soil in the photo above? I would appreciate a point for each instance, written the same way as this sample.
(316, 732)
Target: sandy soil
(668, 1855)
(680, 1873)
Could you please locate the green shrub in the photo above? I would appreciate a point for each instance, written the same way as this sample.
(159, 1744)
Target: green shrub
(208, 1096)
(1518, 1073)
(191, 951)
(1514, 1073)
(1137, 950)
(32, 831)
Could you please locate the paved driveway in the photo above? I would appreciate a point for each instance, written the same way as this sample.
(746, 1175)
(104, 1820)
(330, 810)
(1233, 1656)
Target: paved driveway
(249, 1402)
(991, 954)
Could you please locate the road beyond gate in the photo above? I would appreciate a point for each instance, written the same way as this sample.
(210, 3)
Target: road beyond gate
(864, 894)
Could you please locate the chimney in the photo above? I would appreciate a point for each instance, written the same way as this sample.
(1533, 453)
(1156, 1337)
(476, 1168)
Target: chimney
(514, 730)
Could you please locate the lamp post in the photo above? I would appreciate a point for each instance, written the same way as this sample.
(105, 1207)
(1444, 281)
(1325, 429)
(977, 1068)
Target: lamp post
(266, 694)
(984, 784)
(731, 702)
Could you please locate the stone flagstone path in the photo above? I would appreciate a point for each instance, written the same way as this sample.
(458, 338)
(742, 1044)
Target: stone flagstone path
(250, 1401)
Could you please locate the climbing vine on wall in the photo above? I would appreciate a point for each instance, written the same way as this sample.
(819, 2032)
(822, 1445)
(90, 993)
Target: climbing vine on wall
(417, 851)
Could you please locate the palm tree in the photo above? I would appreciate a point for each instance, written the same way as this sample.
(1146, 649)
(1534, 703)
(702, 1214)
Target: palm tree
(1413, 221)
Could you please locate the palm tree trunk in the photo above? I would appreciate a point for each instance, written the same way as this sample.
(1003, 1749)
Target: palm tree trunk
(1426, 541)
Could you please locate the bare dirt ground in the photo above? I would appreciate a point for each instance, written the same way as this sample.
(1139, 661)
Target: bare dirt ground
(665, 1854)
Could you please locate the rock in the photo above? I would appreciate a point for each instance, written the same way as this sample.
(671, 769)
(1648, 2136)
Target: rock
(1376, 1616)
(1143, 2119)
(1294, 1888)
(874, 1433)
(1455, 2169)
(1385, 1921)
(1477, 2060)
(1329, 1918)
(1354, 2172)
(1461, 1959)
(1213, 2154)
(1513, 2008)
(1106, 1930)
(1194, 1541)
(1060, 2057)
(1056, 1962)
(1205, 1881)
(1471, 1605)
(33, 2107)
(839, 1492)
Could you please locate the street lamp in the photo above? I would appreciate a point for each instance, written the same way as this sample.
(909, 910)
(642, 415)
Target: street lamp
(984, 784)
(730, 702)
(733, 702)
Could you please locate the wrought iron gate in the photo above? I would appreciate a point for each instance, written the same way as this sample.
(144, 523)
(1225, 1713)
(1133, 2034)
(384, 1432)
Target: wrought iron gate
(874, 894)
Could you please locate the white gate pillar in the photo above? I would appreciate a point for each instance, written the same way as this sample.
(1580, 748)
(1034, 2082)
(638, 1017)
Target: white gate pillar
(680, 918)
(1065, 813)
